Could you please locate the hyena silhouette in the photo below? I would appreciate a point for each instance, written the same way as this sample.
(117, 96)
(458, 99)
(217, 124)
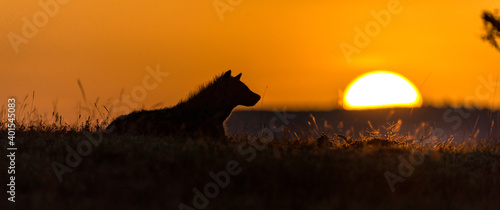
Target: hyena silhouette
(201, 115)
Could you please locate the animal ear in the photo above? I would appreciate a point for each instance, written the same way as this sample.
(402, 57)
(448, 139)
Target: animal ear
(238, 77)
(227, 74)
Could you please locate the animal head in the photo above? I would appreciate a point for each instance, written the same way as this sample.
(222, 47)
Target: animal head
(237, 92)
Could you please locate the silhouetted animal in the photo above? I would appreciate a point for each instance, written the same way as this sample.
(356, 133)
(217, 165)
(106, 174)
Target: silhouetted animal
(201, 115)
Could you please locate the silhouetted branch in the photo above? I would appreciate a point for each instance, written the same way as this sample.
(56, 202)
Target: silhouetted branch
(492, 27)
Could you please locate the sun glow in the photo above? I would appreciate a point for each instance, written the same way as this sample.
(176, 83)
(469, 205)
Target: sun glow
(381, 89)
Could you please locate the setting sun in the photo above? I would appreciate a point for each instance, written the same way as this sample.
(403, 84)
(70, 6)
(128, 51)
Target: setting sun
(381, 89)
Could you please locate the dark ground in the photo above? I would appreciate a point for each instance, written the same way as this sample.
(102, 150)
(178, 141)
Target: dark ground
(289, 172)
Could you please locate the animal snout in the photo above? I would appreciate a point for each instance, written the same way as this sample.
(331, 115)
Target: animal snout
(256, 98)
(251, 99)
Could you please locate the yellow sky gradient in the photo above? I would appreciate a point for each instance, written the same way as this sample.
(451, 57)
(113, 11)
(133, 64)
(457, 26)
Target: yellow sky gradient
(290, 47)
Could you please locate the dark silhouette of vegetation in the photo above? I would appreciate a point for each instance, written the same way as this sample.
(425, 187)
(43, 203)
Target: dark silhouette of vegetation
(342, 171)
(492, 27)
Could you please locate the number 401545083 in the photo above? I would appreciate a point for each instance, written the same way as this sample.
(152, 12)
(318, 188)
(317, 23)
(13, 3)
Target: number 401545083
(11, 118)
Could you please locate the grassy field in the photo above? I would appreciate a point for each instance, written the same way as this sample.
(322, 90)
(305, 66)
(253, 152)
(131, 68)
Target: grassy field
(144, 172)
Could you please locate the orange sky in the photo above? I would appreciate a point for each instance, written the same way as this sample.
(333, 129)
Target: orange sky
(290, 47)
